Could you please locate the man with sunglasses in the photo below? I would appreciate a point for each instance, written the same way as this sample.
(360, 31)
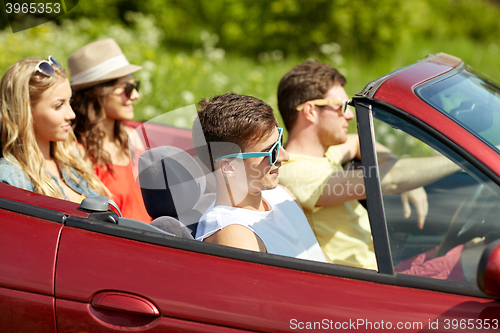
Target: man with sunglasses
(313, 104)
(237, 138)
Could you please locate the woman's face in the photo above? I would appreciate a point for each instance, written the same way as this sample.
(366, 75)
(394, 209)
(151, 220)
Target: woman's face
(116, 104)
(52, 115)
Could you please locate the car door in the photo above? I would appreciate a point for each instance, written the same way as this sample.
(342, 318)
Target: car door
(462, 207)
(111, 278)
(28, 239)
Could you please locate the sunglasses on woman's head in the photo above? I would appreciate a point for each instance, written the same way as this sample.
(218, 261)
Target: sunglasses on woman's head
(273, 153)
(45, 66)
(129, 88)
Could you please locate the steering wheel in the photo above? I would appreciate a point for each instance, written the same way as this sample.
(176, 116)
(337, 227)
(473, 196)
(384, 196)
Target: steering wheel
(472, 219)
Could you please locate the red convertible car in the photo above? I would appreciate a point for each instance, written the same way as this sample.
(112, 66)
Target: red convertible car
(71, 268)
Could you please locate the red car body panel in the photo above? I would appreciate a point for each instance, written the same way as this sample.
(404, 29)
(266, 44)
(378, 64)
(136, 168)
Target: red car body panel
(29, 250)
(194, 287)
(23, 267)
(56, 277)
(22, 311)
(156, 135)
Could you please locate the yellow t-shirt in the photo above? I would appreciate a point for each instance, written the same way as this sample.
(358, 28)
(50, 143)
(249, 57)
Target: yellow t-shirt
(342, 230)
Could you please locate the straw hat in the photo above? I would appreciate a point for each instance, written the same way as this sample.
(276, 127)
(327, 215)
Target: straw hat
(98, 62)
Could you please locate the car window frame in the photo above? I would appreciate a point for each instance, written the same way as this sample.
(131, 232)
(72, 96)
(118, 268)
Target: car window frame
(364, 116)
(463, 68)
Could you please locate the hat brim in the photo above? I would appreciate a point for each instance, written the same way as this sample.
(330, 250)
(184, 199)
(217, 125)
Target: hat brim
(124, 71)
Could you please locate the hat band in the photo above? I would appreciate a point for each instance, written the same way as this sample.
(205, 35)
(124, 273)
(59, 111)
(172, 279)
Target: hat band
(104, 68)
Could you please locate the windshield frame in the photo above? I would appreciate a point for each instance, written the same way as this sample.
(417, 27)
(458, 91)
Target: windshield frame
(419, 92)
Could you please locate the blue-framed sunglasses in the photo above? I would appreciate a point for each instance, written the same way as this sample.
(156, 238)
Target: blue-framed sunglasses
(273, 153)
(45, 66)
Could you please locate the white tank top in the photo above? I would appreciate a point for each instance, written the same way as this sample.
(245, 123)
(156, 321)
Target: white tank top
(284, 229)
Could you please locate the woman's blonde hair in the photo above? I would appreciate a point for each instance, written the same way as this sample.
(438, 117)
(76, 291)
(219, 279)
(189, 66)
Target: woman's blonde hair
(21, 88)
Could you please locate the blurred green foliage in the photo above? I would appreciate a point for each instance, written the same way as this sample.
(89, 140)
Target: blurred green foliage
(193, 49)
(297, 27)
(300, 27)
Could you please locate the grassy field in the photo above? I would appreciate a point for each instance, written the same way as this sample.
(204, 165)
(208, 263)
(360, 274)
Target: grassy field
(172, 79)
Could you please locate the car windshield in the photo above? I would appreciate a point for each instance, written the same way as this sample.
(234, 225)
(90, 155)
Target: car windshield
(471, 100)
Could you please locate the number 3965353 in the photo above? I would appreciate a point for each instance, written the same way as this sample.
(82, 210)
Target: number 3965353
(33, 8)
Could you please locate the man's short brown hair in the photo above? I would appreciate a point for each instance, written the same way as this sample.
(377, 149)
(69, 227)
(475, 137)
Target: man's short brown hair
(305, 82)
(229, 124)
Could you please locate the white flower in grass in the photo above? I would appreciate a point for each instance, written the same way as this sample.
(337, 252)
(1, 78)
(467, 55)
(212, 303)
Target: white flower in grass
(149, 111)
(180, 122)
(219, 80)
(187, 96)
(330, 48)
(148, 66)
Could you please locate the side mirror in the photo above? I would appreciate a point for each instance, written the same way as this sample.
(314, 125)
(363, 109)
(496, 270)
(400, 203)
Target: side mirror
(98, 207)
(488, 271)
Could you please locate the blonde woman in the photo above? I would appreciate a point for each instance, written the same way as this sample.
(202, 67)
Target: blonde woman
(104, 91)
(37, 141)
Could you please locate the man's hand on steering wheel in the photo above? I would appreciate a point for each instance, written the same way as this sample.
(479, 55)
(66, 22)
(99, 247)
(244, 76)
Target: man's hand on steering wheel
(418, 197)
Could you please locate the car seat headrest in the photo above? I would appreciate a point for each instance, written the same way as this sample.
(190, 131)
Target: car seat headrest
(171, 181)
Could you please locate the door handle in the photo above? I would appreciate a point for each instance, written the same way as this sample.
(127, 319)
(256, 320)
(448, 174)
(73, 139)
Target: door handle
(122, 302)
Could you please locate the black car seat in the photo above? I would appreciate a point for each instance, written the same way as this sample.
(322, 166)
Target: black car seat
(174, 190)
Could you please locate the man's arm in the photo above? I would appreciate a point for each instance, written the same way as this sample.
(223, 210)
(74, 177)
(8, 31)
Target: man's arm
(396, 176)
(350, 149)
(341, 187)
(238, 236)
(409, 173)
(349, 185)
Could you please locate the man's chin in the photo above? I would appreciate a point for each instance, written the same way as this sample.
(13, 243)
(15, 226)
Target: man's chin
(271, 185)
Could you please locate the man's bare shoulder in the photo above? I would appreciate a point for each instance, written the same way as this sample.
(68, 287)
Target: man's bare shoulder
(236, 235)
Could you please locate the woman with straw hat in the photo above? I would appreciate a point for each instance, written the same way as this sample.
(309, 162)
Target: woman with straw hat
(104, 91)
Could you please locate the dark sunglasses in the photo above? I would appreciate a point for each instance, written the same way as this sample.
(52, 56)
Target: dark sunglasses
(129, 88)
(273, 153)
(45, 66)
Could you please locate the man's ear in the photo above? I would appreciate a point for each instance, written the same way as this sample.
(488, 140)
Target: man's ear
(309, 113)
(226, 168)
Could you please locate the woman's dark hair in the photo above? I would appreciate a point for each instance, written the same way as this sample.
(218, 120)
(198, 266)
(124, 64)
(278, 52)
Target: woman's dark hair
(89, 123)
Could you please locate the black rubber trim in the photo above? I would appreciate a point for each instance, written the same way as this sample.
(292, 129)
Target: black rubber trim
(270, 259)
(374, 201)
(32, 210)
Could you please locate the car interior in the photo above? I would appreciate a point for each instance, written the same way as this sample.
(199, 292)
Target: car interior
(175, 192)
